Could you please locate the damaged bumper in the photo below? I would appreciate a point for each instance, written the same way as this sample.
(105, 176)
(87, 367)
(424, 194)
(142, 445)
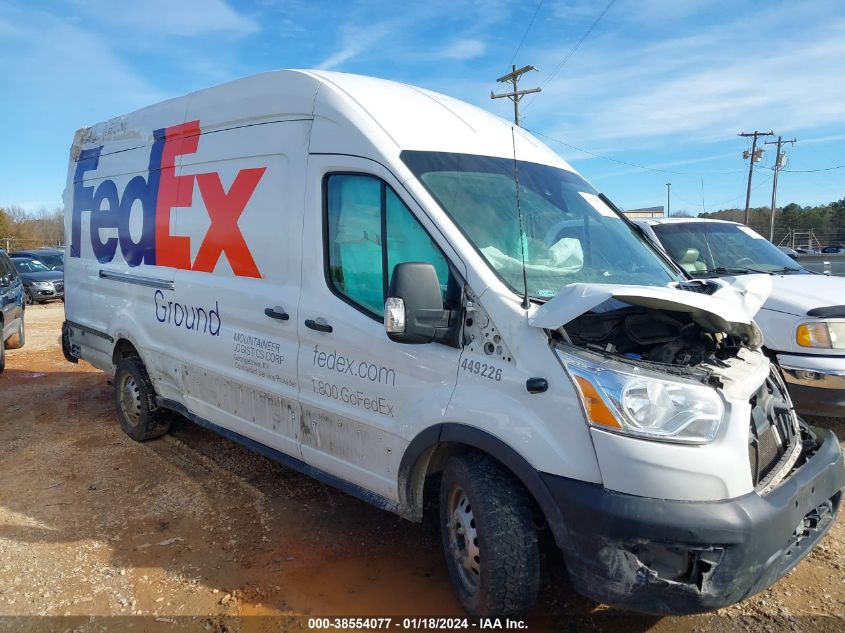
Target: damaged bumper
(816, 383)
(658, 556)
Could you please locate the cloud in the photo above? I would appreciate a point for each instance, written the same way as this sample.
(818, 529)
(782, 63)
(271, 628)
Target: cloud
(72, 66)
(461, 49)
(354, 41)
(186, 18)
(699, 88)
(414, 34)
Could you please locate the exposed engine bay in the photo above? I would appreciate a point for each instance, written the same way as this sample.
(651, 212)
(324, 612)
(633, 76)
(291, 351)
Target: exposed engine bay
(657, 336)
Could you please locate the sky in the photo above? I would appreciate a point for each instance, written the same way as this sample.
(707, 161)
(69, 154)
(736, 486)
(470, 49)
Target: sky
(656, 93)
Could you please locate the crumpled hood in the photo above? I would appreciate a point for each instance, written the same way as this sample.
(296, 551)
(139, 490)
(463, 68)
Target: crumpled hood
(796, 294)
(730, 309)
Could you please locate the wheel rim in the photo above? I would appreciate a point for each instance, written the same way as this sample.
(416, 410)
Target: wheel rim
(129, 396)
(463, 539)
(28, 298)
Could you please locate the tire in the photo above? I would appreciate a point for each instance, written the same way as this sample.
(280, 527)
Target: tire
(16, 341)
(2, 350)
(28, 298)
(498, 573)
(134, 398)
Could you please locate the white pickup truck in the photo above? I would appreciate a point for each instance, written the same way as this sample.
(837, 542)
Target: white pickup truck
(803, 320)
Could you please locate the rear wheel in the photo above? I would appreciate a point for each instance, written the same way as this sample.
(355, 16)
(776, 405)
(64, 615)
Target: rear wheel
(16, 341)
(134, 397)
(488, 537)
(2, 350)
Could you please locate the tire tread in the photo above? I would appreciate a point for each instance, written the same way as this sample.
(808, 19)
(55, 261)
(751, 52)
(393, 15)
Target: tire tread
(510, 555)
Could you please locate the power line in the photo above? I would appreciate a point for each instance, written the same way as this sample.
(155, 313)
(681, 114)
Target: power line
(809, 171)
(614, 160)
(574, 49)
(622, 162)
(739, 197)
(524, 35)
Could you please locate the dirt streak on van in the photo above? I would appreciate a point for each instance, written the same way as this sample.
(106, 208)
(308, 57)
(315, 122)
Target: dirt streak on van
(454, 312)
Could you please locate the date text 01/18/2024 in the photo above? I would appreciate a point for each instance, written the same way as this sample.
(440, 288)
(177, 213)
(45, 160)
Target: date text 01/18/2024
(416, 623)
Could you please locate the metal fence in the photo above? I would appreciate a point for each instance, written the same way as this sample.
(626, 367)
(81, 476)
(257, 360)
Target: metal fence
(11, 244)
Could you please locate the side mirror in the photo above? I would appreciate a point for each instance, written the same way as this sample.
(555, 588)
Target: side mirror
(413, 311)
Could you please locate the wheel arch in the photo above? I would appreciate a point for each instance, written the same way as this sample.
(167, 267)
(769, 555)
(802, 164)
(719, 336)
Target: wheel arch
(427, 454)
(124, 348)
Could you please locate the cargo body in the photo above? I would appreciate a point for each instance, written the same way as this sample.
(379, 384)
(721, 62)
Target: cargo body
(382, 287)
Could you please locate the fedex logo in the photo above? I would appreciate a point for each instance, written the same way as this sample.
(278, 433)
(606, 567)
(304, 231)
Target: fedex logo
(159, 193)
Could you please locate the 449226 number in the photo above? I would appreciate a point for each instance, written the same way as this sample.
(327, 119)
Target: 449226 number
(481, 369)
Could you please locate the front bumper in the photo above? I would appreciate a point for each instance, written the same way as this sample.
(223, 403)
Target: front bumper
(43, 293)
(816, 383)
(662, 557)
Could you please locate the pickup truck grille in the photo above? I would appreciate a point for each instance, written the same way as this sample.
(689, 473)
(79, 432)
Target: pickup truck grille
(773, 431)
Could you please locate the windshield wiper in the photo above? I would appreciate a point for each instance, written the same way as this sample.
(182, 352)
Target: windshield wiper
(741, 270)
(723, 270)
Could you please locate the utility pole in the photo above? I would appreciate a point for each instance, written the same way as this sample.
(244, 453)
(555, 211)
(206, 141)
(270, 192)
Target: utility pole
(755, 156)
(516, 94)
(780, 162)
(668, 200)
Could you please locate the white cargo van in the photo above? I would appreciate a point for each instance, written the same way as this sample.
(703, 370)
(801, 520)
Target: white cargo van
(382, 286)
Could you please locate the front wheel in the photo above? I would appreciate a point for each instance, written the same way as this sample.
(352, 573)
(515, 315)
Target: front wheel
(134, 397)
(489, 537)
(28, 298)
(2, 350)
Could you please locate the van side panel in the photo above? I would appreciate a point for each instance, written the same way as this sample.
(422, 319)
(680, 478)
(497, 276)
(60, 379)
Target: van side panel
(243, 374)
(177, 242)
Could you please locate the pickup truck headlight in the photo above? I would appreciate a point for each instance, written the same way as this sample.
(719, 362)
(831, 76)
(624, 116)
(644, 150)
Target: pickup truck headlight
(633, 401)
(821, 334)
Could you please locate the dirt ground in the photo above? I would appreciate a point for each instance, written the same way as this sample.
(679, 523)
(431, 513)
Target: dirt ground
(191, 532)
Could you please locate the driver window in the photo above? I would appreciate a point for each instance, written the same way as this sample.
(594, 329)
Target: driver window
(369, 231)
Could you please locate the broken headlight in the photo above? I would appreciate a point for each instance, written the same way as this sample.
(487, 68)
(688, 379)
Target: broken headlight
(647, 404)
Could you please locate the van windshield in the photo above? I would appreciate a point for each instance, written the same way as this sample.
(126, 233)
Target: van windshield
(570, 235)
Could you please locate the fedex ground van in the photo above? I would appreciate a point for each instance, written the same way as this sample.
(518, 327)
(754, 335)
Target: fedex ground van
(386, 288)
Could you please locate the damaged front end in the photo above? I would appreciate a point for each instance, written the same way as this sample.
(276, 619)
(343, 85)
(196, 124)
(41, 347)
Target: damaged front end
(712, 487)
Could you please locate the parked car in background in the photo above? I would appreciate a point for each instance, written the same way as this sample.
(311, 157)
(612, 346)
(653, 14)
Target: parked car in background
(789, 252)
(40, 283)
(807, 250)
(11, 308)
(803, 320)
(52, 258)
(833, 249)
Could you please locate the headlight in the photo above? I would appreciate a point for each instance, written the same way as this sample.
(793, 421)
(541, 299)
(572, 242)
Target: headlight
(821, 334)
(42, 284)
(625, 399)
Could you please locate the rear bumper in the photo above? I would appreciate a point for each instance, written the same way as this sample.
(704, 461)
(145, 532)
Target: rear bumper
(662, 557)
(816, 383)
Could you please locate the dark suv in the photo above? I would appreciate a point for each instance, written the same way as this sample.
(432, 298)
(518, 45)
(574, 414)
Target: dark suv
(11, 308)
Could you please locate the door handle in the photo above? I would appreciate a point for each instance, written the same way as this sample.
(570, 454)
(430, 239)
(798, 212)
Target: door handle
(320, 327)
(277, 313)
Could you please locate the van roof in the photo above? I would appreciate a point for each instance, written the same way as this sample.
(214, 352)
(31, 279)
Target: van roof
(391, 116)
